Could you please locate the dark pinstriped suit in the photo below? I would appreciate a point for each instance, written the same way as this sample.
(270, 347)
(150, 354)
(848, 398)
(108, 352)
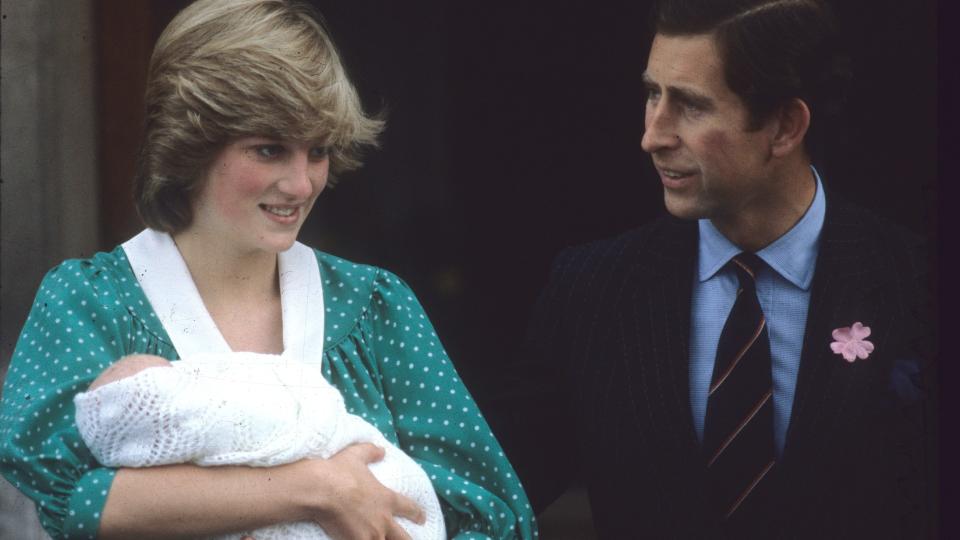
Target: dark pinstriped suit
(606, 386)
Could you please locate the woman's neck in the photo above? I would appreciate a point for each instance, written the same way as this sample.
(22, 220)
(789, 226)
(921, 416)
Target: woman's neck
(241, 291)
(227, 276)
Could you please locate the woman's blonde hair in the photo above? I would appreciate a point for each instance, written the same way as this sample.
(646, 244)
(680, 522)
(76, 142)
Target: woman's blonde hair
(225, 69)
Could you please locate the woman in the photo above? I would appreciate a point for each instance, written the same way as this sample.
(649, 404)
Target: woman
(249, 112)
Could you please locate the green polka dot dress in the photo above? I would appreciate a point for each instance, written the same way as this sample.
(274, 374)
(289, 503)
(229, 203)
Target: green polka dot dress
(381, 352)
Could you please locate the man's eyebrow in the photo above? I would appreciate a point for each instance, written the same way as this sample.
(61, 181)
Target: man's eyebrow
(691, 97)
(682, 94)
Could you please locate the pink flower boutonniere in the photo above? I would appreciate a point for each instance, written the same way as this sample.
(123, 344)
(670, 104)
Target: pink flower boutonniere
(851, 342)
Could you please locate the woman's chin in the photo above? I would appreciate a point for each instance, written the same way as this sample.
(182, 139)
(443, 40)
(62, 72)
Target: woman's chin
(281, 246)
(277, 243)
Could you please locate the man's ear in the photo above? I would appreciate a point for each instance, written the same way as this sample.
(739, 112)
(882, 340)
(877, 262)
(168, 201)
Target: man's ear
(793, 121)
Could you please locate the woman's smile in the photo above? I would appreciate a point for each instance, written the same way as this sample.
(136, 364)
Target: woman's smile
(281, 213)
(259, 192)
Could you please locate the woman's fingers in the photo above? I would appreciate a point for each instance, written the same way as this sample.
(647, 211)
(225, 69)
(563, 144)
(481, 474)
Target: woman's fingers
(406, 508)
(396, 532)
(366, 452)
(356, 504)
(402, 506)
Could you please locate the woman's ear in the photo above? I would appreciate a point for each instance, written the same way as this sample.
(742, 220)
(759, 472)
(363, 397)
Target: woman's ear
(793, 121)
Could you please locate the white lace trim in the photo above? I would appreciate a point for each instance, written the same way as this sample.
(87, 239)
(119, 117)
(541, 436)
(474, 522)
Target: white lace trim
(241, 409)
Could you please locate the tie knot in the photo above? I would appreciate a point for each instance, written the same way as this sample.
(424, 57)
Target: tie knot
(746, 264)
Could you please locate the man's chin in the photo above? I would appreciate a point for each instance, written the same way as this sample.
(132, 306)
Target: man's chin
(682, 207)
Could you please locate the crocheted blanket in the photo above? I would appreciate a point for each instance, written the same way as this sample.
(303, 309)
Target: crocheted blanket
(241, 409)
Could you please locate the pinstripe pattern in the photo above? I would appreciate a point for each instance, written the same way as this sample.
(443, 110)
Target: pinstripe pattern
(607, 392)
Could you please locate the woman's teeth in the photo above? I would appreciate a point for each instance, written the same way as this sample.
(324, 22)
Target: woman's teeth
(282, 212)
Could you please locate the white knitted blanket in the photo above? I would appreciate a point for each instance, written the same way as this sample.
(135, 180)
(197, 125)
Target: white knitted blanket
(241, 409)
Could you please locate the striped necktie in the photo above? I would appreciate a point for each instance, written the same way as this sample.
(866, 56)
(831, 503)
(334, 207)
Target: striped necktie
(738, 431)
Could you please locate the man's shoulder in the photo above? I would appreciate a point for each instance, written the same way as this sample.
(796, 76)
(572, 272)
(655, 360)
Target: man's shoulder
(850, 225)
(598, 273)
(841, 211)
(666, 237)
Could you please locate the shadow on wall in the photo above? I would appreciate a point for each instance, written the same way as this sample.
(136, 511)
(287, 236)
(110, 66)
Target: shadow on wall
(18, 517)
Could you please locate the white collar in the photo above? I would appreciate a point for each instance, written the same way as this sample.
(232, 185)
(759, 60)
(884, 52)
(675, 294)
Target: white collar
(165, 279)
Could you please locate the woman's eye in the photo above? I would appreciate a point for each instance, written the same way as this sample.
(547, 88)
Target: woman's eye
(269, 151)
(319, 152)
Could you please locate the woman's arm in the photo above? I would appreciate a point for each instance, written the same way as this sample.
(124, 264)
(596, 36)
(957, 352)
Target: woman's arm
(76, 329)
(438, 423)
(185, 500)
(128, 366)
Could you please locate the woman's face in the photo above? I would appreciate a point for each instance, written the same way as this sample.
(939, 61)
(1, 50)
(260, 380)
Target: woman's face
(258, 192)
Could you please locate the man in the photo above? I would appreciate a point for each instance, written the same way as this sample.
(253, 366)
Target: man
(750, 365)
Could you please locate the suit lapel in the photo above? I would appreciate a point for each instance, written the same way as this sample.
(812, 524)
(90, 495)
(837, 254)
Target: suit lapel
(830, 392)
(655, 328)
(654, 314)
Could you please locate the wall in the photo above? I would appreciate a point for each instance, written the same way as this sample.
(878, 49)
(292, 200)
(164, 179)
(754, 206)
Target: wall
(48, 171)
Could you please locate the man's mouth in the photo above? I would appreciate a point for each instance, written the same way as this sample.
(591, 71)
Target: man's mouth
(674, 173)
(675, 179)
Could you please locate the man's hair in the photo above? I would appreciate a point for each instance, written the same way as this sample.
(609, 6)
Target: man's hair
(227, 69)
(772, 50)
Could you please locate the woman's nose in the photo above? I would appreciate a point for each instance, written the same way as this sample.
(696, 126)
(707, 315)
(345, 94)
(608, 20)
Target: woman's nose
(297, 182)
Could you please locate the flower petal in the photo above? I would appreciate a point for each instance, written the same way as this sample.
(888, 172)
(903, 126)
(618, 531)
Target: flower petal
(867, 346)
(842, 334)
(849, 355)
(837, 347)
(859, 331)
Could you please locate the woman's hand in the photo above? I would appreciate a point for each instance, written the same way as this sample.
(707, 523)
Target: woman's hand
(340, 494)
(350, 503)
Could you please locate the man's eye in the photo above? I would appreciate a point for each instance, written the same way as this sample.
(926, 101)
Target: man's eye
(692, 109)
(269, 151)
(652, 94)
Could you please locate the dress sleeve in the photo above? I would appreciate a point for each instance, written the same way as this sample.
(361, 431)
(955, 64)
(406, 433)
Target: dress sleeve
(77, 327)
(438, 423)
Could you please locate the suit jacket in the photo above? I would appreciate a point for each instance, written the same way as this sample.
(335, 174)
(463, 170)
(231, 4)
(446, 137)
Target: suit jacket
(604, 390)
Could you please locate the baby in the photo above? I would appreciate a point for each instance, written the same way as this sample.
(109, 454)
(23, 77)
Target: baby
(241, 409)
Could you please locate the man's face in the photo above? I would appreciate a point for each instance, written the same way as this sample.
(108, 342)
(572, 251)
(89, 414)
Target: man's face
(696, 132)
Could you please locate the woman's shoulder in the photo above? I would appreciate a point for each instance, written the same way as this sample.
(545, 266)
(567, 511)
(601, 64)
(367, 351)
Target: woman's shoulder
(352, 290)
(340, 273)
(105, 271)
(348, 278)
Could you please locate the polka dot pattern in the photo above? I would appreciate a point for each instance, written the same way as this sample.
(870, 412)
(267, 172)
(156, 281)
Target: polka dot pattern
(385, 357)
(381, 352)
(85, 315)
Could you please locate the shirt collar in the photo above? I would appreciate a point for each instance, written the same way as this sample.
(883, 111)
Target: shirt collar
(793, 255)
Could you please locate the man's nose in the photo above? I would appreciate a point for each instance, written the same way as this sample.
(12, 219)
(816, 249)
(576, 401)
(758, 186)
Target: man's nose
(659, 129)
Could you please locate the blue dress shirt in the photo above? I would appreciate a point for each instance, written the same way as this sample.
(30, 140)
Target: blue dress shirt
(783, 289)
